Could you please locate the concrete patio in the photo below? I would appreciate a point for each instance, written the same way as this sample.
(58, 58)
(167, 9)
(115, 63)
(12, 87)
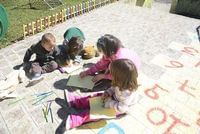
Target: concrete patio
(169, 76)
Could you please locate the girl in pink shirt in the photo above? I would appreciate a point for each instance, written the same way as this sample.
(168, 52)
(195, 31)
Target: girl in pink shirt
(112, 49)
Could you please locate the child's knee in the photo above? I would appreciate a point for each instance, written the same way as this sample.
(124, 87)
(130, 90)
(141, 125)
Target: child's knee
(35, 68)
(53, 65)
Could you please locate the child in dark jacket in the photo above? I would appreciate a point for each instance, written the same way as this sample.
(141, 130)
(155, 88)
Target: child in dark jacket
(45, 57)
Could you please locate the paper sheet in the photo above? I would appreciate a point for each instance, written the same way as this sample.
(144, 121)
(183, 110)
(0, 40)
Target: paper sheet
(97, 110)
(69, 69)
(76, 81)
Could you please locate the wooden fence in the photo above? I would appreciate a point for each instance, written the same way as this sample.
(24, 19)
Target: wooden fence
(70, 12)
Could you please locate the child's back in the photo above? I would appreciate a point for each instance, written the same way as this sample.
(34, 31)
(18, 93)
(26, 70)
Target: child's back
(125, 53)
(66, 53)
(73, 32)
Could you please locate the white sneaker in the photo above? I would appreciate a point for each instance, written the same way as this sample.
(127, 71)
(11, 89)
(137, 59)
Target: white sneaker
(36, 79)
(22, 75)
(68, 123)
(66, 96)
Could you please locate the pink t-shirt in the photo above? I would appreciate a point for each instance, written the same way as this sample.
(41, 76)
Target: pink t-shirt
(122, 53)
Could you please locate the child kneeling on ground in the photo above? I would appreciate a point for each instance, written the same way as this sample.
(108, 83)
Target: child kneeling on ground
(112, 49)
(68, 52)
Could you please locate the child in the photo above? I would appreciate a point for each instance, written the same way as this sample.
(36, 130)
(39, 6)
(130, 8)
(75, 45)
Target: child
(120, 96)
(72, 32)
(112, 49)
(72, 46)
(45, 57)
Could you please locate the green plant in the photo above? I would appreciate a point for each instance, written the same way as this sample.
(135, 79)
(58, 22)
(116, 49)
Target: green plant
(19, 13)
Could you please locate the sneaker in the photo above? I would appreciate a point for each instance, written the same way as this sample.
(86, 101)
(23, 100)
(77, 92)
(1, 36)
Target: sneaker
(36, 79)
(66, 96)
(22, 75)
(68, 123)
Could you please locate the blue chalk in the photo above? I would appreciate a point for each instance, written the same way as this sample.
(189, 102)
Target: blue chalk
(41, 94)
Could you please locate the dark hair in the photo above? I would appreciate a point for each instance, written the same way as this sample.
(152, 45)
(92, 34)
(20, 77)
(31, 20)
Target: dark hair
(109, 44)
(75, 45)
(124, 74)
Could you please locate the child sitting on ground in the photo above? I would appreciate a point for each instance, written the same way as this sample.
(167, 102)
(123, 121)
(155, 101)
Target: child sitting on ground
(120, 96)
(45, 58)
(112, 49)
(71, 47)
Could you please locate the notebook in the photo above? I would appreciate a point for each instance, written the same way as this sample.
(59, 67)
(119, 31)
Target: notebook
(76, 81)
(97, 110)
(70, 69)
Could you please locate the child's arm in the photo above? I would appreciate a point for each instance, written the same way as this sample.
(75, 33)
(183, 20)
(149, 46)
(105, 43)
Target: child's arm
(119, 106)
(100, 65)
(110, 91)
(120, 101)
(108, 76)
(28, 54)
(107, 94)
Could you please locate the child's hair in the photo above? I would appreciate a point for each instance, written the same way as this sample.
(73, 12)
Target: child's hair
(75, 46)
(109, 44)
(124, 74)
(47, 37)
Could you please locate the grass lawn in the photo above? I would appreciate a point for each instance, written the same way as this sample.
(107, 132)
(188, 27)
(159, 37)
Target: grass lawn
(19, 13)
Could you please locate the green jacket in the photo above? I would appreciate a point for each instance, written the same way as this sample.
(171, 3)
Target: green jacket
(74, 32)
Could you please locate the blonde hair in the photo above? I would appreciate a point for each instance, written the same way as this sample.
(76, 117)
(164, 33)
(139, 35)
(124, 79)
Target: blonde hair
(47, 38)
(124, 74)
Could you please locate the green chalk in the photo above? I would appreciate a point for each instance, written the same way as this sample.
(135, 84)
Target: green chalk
(16, 101)
(44, 113)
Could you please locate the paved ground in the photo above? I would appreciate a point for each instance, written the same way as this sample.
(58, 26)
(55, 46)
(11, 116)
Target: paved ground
(169, 76)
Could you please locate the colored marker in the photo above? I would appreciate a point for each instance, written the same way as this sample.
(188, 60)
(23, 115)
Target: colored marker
(44, 113)
(51, 115)
(41, 98)
(40, 94)
(16, 101)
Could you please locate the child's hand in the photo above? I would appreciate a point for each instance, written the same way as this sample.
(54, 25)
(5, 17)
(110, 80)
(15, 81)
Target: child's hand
(68, 63)
(98, 77)
(76, 63)
(107, 71)
(83, 74)
(104, 96)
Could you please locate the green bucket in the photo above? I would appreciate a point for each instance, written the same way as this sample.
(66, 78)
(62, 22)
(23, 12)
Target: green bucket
(189, 8)
(3, 21)
(144, 3)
